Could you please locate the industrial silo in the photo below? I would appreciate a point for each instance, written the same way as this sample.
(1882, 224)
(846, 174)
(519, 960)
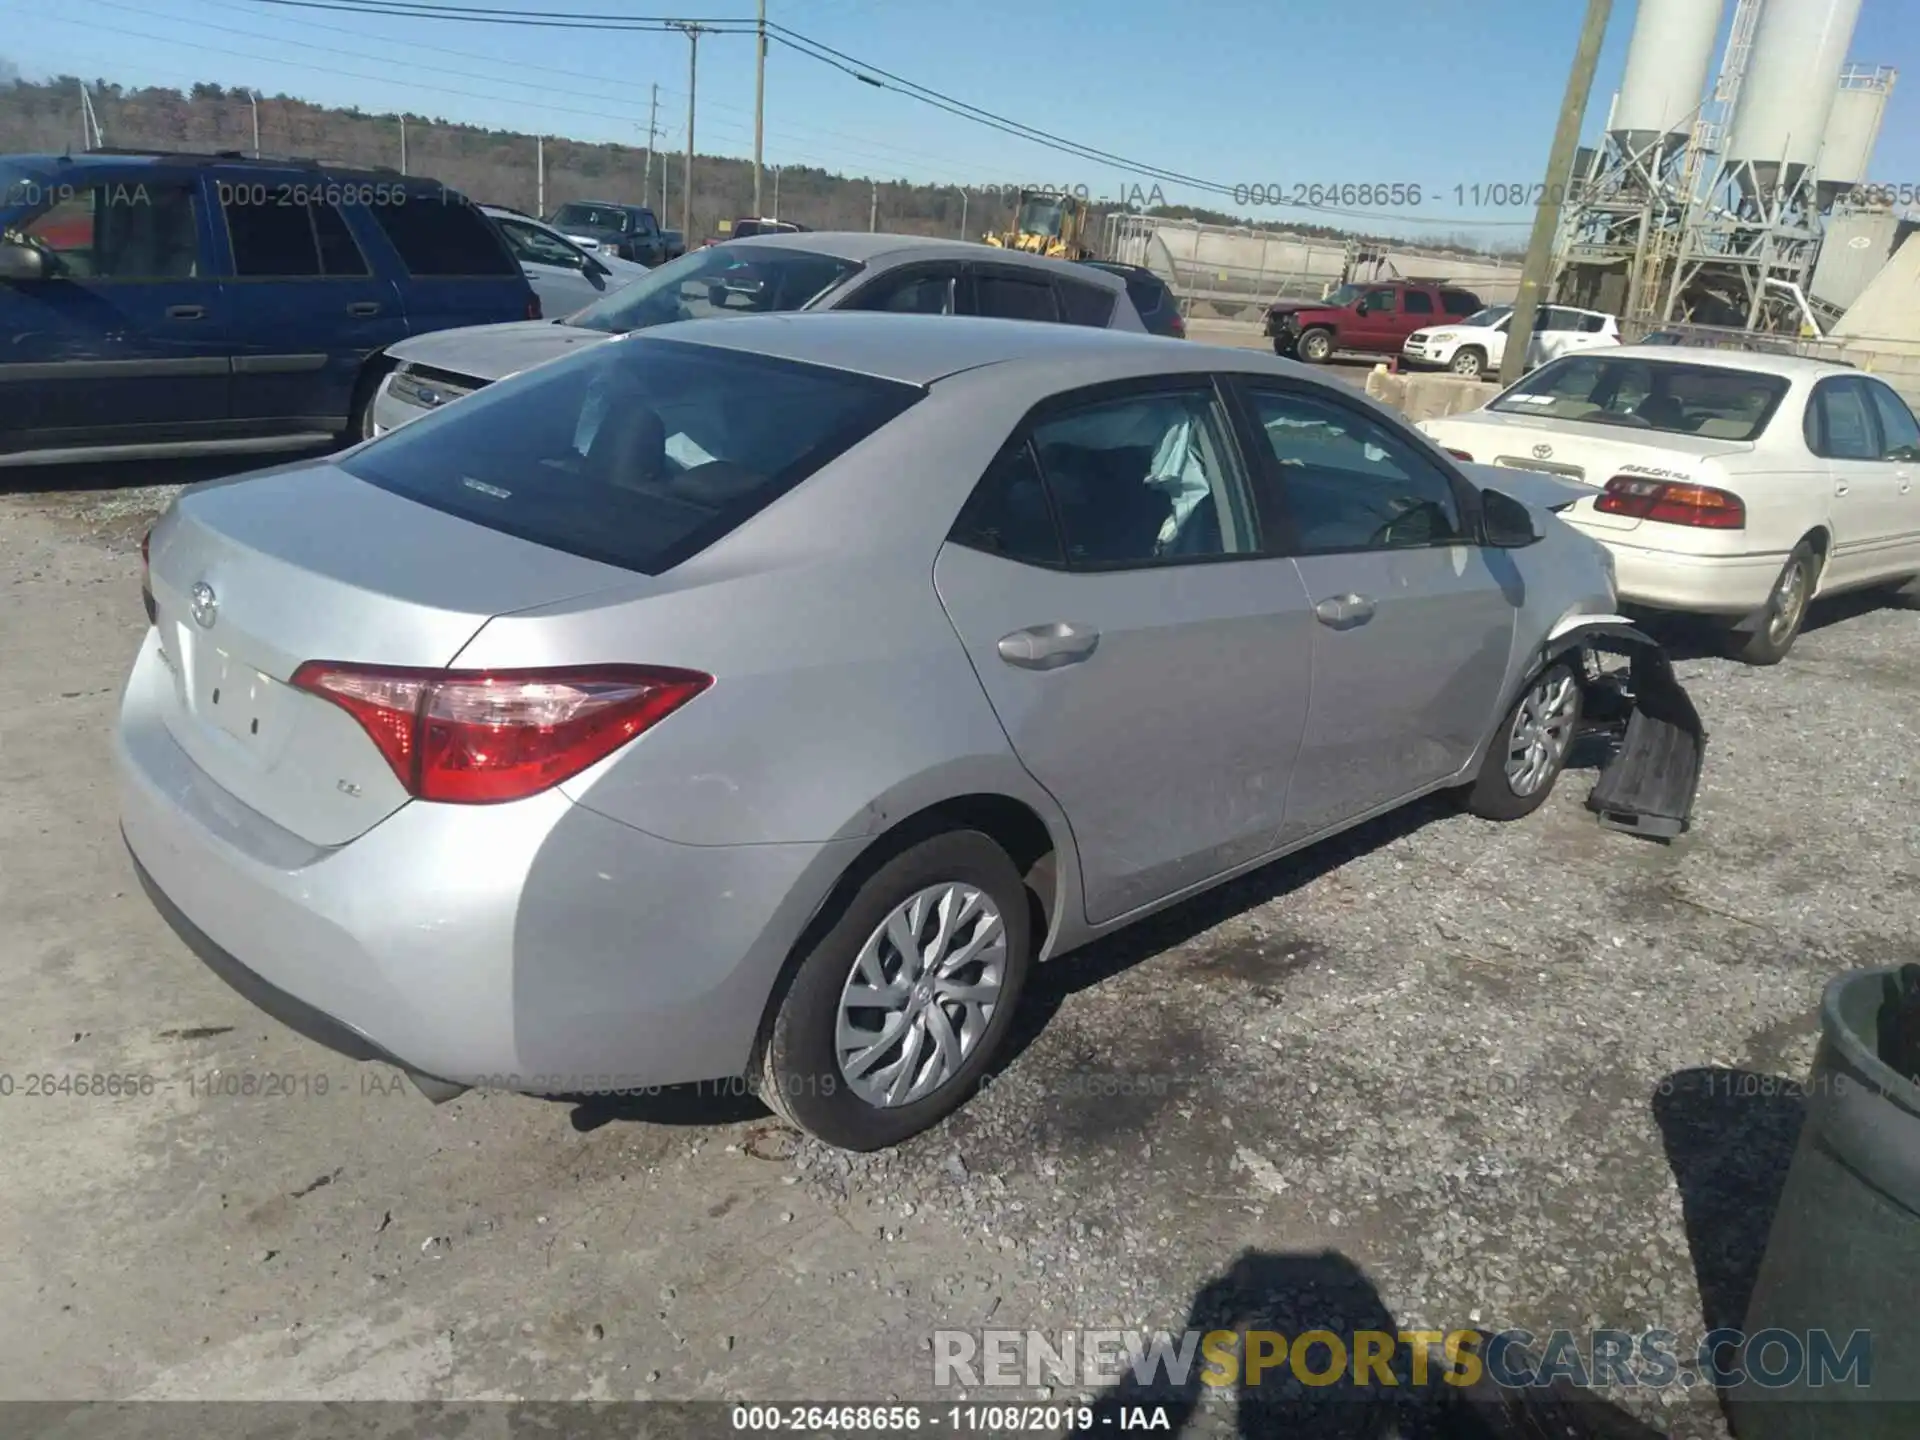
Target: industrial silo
(1787, 93)
(1666, 74)
(1853, 128)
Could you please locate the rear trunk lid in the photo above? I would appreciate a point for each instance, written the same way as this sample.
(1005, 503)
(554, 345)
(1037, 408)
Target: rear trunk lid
(1589, 453)
(253, 577)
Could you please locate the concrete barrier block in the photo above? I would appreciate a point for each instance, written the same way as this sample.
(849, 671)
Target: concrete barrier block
(1428, 397)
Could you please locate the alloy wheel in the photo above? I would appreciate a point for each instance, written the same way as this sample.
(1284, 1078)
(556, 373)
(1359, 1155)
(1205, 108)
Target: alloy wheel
(923, 991)
(1788, 602)
(1542, 731)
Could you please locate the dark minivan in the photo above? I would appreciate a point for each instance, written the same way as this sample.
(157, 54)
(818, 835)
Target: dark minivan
(156, 302)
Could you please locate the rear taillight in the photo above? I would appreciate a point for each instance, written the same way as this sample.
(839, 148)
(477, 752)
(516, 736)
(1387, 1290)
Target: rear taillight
(1179, 326)
(1672, 502)
(478, 737)
(533, 307)
(1458, 454)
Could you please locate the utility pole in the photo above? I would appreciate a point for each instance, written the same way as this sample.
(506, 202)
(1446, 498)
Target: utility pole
(253, 99)
(776, 193)
(963, 210)
(540, 176)
(873, 214)
(403, 144)
(759, 101)
(693, 33)
(653, 130)
(1546, 220)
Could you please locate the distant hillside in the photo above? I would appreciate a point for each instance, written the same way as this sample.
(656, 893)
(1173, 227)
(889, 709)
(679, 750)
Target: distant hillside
(498, 166)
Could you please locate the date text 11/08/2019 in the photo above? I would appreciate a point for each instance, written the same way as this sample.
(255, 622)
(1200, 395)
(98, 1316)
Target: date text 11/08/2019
(971, 1419)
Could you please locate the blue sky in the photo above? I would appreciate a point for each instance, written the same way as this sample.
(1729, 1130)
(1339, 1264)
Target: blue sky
(1435, 93)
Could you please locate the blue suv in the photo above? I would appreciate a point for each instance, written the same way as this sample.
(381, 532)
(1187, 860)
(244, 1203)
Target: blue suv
(155, 302)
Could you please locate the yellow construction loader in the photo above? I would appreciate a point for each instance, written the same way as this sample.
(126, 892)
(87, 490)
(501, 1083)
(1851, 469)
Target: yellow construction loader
(1047, 222)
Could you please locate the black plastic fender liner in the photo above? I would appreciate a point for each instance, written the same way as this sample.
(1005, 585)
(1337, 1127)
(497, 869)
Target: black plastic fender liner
(1648, 788)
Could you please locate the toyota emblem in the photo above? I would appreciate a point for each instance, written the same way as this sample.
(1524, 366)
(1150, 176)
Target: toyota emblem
(203, 605)
(1541, 452)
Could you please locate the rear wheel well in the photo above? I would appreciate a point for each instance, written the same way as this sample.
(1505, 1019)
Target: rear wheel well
(372, 371)
(1011, 824)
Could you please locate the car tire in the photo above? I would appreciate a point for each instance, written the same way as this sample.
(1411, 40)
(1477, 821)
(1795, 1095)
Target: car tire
(1315, 346)
(1529, 750)
(1469, 362)
(801, 1075)
(1784, 613)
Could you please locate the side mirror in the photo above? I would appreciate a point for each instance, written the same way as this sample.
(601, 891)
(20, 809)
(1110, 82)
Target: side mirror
(1359, 307)
(21, 262)
(1508, 523)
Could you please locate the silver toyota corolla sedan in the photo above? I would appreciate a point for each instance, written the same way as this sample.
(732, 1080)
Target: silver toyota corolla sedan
(766, 699)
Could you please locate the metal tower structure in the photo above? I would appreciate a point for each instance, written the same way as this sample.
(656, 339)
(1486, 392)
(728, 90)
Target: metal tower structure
(1746, 252)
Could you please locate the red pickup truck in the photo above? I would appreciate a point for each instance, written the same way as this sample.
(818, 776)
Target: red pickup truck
(1374, 319)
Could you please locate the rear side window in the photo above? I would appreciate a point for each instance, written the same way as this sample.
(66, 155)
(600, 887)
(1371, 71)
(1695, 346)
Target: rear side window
(1840, 422)
(274, 241)
(1459, 302)
(1014, 297)
(639, 454)
(1419, 303)
(1009, 514)
(1085, 304)
(1147, 296)
(438, 237)
(1899, 435)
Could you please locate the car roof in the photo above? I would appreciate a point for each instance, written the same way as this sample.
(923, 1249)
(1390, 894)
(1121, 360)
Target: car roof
(48, 163)
(871, 248)
(1792, 367)
(924, 349)
(604, 205)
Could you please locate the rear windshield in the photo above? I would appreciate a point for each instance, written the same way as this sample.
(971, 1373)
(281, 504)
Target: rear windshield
(732, 279)
(593, 217)
(638, 453)
(1669, 397)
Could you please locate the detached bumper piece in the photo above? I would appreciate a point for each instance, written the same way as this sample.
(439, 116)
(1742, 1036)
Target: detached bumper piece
(1648, 788)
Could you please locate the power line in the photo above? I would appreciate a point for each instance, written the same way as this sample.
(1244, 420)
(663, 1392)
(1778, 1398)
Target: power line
(858, 70)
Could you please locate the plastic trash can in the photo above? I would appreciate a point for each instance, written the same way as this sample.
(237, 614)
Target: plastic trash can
(1843, 1255)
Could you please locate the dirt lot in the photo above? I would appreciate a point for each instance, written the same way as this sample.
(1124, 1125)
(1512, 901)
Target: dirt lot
(1440, 1074)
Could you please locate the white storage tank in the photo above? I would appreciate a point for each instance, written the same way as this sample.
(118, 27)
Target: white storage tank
(1792, 76)
(1666, 73)
(1853, 129)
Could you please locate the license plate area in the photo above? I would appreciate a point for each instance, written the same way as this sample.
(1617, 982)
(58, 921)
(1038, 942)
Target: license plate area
(226, 694)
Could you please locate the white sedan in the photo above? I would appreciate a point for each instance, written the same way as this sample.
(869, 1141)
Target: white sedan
(562, 272)
(1477, 344)
(1733, 485)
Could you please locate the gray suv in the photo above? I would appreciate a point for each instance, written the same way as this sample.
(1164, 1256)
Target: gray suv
(855, 270)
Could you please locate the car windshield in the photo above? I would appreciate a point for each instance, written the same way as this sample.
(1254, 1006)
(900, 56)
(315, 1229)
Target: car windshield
(1491, 318)
(1039, 217)
(729, 279)
(637, 454)
(593, 217)
(1670, 397)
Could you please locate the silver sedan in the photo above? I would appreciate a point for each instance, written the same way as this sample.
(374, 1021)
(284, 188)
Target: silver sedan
(767, 699)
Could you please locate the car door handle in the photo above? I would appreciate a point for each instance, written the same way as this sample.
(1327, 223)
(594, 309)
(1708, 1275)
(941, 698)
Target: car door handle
(364, 307)
(1840, 488)
(1343, 612)
(1048, 647)
(186, 312)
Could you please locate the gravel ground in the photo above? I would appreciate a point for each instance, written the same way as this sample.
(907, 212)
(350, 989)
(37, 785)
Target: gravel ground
(1437, 1074)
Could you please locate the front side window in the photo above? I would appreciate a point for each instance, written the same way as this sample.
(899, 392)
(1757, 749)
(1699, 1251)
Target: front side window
(534, 246)
(1671, 397)
(1014, 297)
(119, 230)
(1380, 302)
(910, 292)
(735, 279)
(1899, 435)
(1349, 484)
(637, 455)
(1145, 480)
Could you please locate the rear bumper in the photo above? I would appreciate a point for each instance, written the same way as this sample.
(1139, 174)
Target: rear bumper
(532, 946)
(1699, 584)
